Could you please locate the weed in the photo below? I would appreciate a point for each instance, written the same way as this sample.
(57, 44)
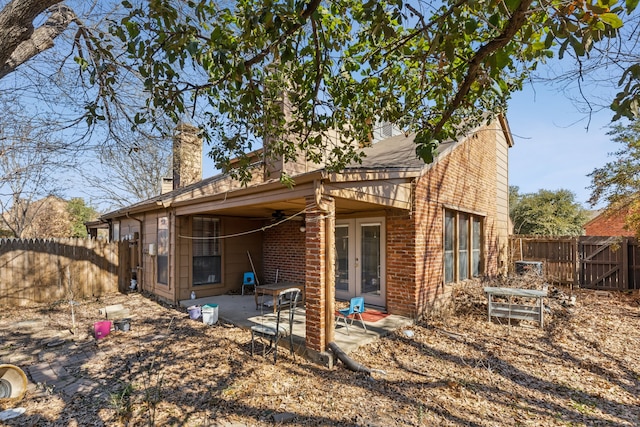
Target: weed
(121, 401)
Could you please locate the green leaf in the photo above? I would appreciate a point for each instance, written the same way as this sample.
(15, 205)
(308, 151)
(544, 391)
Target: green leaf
(426, 148)
(512, 4)
(577, 46)
(631, 6)
(611, 19)
(470, 26)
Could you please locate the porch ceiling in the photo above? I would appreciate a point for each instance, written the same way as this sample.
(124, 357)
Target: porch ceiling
(357, 193)
(290, 207)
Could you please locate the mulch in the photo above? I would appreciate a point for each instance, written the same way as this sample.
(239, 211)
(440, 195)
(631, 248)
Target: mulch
(456, 369)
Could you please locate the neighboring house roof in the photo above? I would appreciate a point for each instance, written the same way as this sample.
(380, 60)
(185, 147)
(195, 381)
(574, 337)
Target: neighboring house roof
(609, 222)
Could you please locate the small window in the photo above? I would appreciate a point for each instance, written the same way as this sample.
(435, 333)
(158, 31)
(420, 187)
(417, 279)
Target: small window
(207, 262)
(116, 232)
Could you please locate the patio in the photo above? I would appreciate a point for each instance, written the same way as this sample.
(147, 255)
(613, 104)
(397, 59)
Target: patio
(240, 310)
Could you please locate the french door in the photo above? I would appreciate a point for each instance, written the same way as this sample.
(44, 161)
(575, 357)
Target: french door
(360, 259)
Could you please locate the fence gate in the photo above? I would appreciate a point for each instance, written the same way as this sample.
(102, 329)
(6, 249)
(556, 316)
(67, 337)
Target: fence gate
(607, 262)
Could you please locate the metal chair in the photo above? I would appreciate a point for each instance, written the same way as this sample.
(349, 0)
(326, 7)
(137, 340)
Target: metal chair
(248, 279)
(287, 300)
(356, 307)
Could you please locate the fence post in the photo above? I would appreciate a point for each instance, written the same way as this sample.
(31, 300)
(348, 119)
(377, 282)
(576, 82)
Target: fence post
(625, 264)
(576, 261)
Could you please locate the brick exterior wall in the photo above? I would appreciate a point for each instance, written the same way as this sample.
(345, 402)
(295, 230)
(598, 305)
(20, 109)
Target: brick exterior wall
(464, 180)
(283, 250)
(609, 224)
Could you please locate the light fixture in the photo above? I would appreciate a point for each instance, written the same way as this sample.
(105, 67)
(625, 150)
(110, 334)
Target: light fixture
(303, 228)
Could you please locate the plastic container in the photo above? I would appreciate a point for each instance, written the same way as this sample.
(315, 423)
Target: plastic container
(122, 325)
(194, 312)
(210, 314)
(101, 329)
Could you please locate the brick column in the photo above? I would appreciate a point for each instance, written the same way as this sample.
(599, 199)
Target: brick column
(319, 220)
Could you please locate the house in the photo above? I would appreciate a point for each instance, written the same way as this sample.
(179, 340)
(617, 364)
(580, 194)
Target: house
(610, 222)
(392, 229)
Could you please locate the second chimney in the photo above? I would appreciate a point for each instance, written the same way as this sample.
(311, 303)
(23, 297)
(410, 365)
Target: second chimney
(187, 156)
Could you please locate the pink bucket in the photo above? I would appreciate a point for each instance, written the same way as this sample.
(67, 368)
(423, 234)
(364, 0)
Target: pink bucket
(101, 329)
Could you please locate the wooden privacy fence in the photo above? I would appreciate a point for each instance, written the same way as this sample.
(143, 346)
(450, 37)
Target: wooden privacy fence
(594, 262)
(40, 271)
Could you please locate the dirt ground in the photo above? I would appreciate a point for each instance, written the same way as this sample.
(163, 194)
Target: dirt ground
(582, 369)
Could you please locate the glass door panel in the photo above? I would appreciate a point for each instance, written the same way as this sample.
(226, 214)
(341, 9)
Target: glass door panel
(370, 256)
(342, 258)
(360, 260)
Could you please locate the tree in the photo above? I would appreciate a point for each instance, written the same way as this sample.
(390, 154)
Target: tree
(20, 40)
(40, 85)
(617, 183)
(79, 214)
(121, 177)
(548, 213)
(28, 159)
(293, 72)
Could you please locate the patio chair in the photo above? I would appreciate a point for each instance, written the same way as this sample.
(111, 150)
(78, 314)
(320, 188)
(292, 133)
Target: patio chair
(287, 300)
(356, 307)
(248, 279)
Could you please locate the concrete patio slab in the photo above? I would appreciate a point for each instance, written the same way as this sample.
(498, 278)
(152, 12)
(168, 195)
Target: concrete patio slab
(240, 310)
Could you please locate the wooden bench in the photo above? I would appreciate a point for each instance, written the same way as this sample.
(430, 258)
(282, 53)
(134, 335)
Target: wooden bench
(509, 310)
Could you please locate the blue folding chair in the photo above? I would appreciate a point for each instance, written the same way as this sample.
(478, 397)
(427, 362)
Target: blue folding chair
(248, 279)
(356, 307)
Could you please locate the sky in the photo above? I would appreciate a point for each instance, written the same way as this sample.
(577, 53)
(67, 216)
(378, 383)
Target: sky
(553, 149)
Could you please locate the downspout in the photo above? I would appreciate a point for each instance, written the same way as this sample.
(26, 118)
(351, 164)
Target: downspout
(140, 269)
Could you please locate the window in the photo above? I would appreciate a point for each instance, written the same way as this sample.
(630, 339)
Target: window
(116, 232)
(163, 250)
(206, 251)
(449, 256)
(462, 245)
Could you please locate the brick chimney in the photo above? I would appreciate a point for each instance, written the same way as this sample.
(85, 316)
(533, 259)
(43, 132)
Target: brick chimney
(187, 156)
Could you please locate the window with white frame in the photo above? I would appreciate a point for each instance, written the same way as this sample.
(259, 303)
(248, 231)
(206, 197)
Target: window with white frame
(206, 251)
(462, 245)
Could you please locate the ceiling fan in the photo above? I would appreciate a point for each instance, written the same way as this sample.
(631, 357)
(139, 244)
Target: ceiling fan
(278, 215)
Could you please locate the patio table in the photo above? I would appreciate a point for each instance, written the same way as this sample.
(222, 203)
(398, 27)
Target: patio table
(274, 289)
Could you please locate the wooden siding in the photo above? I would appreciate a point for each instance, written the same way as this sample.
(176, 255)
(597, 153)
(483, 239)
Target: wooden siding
(41, 271)
(502, 202)
(234, 262)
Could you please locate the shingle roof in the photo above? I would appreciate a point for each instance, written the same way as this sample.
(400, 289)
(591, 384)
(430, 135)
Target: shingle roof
(395, 152)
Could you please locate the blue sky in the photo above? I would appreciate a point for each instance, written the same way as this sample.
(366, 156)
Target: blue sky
(552, 148)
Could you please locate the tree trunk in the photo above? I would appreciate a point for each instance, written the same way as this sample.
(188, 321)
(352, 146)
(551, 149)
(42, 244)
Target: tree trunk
(20, 40)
